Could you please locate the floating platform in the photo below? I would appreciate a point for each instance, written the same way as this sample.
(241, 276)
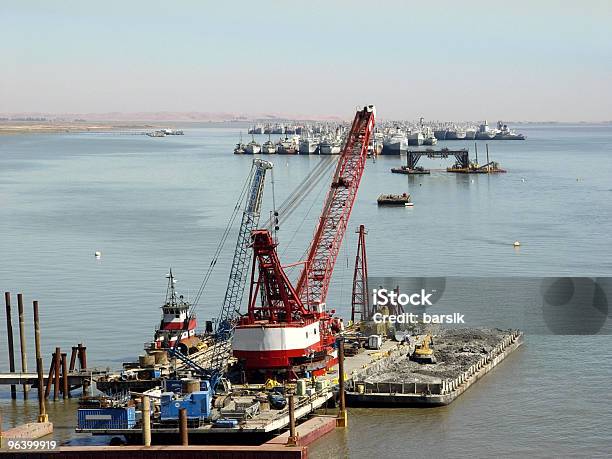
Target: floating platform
(254, 429)
(463, 357)
(394, 200)
(481, 170)
(407, 171)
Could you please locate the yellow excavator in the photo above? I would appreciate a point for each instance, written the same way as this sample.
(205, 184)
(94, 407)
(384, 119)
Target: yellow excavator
(422, 352)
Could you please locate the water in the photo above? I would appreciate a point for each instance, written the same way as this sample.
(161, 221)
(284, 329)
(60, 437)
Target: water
(151, 203)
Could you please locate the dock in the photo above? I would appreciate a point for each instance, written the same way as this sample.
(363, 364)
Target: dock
(252, 429)
(77, 378)
(463, 165)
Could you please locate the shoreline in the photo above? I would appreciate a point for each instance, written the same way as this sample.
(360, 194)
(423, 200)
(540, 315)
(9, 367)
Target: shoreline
(17, 128)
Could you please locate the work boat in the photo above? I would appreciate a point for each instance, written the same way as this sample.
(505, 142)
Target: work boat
(177, 322)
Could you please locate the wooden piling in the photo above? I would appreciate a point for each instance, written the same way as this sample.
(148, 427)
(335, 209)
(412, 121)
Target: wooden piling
(65, 389)
(42, 409)
(183, 429)
(56, 372)
(9, 336)
(22, 342)
(292, 440)
(146, 420)
(342, 419)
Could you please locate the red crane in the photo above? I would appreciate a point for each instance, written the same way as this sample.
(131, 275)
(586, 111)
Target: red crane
(288, 329)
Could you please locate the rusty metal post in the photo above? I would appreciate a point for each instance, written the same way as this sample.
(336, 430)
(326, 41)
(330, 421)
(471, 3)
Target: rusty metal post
(183, 429)
(292, 440)
(65, 389)
(56, 372)
(50, 376)
(83, 356)
(9, 336)
(146, 420)
(73, 356)
(342, 419)
(22, 342)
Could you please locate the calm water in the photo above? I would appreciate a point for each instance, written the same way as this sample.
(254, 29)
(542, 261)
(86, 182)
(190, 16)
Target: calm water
(148, 204)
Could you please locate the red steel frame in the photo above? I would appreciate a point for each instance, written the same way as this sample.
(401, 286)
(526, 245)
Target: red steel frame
(315, 278)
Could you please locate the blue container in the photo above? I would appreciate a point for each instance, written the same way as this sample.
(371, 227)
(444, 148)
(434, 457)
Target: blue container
(106, 418)
(198, 405)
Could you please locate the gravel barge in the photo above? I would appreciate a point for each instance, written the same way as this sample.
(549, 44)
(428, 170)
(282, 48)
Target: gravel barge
(463, 356)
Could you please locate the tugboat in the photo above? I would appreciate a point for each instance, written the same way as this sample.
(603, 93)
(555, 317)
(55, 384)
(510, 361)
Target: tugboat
(395, 200)
(177, 322)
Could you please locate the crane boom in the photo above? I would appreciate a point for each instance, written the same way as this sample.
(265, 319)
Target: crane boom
(230, 309)
(316, 276)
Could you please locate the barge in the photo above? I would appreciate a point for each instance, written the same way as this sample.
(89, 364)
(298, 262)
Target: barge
(463, 357)
(418, 170)
(395, 200)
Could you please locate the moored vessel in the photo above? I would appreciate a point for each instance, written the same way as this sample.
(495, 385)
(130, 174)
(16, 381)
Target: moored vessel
(396, 144)
(177, 322)
(395, 200)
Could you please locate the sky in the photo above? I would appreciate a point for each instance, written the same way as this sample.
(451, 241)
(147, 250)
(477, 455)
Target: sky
(444, 60)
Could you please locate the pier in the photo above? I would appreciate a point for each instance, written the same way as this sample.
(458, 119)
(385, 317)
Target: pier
(463, 165)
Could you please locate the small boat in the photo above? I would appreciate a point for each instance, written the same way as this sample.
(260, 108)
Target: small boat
(268, 147)
(395, 200)
(252, 148)
(240, 147)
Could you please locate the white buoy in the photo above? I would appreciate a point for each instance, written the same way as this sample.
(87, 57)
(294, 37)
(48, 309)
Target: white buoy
(472, 180)
(523, 180)
(98, 254)
(517, 244)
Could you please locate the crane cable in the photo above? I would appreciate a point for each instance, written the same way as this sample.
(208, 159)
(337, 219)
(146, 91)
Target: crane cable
(224, 237)
(290, 204)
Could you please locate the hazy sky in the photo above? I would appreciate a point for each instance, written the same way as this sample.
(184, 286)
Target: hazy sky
(514, 60)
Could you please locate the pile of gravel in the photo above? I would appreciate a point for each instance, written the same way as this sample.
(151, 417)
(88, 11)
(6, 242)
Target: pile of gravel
(455, 350)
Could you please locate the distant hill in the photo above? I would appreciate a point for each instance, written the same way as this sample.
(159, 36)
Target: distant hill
(166, 116)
